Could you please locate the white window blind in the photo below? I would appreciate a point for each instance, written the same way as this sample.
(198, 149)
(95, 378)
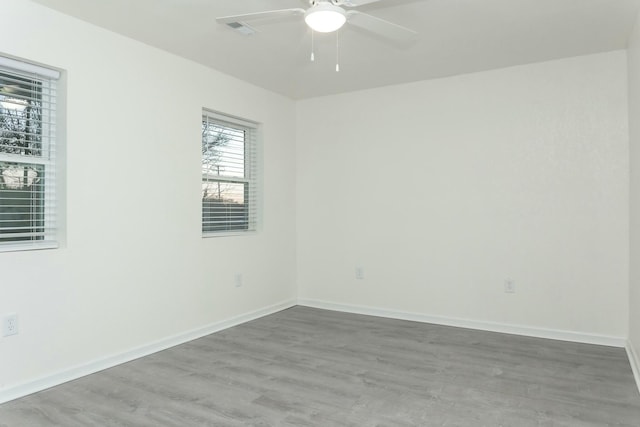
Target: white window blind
(229, 175)
(27, 155)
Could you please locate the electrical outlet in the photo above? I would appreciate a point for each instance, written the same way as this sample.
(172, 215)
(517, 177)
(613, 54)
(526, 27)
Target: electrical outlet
(238, 280)
(509, 286)
(359, 273)
(10, 325)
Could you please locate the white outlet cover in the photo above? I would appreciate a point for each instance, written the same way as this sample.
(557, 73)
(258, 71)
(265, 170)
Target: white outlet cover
(509, 286)
(10, 325)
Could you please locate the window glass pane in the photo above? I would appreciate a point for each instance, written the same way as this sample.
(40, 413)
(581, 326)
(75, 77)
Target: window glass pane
(22, 199)
(223, 150)
(224, 206)
(20, 115)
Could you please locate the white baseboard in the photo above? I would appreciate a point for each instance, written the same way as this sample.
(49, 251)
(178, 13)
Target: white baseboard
(553, 334)
(43, 383)
(635, 362)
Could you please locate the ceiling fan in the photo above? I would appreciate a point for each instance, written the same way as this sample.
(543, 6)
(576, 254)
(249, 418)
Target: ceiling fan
(326, 16)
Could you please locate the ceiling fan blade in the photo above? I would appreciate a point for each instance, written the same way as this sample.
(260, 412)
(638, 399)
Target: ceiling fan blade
(383, 28)
(356, 3)
(283, 13)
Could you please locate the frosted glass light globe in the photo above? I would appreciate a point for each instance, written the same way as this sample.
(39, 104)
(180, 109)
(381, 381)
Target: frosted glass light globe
(325, 18)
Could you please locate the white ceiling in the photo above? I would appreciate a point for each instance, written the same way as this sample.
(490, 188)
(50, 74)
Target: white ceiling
(455, 37)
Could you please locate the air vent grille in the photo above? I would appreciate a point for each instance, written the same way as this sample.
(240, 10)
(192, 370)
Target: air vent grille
(242, 28)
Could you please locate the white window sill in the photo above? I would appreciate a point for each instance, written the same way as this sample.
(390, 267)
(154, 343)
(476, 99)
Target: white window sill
(229, 234)
(28, 246)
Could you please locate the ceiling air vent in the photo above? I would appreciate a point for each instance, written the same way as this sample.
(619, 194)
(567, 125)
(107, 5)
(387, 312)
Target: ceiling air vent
(242, 28)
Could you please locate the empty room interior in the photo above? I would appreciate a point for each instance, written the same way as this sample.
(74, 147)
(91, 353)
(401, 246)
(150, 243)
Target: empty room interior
(427, 215)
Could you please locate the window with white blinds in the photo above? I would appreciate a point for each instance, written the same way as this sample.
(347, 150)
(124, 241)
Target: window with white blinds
(229, 175)
(27, 156)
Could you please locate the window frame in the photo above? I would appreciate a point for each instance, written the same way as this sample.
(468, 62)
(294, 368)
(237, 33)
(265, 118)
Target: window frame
(250, 179)
(49, 81)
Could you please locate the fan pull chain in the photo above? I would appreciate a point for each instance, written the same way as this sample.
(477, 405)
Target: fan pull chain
(313, 56)
(337, 52)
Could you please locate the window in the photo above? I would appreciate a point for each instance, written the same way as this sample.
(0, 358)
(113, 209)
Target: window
(229, 169)
(27, 156)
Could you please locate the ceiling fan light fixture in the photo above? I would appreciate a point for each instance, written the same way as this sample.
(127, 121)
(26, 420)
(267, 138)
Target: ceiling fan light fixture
(325, 18)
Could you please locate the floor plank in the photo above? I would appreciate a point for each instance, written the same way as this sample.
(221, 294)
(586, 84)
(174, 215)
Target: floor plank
(311, 367)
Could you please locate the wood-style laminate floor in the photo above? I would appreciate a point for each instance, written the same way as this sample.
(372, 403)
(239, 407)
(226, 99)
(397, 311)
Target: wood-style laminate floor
(310, 367)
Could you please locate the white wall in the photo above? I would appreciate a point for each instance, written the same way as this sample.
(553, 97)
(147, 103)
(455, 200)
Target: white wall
(440, 190)
(634, 148)
(134, 268)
